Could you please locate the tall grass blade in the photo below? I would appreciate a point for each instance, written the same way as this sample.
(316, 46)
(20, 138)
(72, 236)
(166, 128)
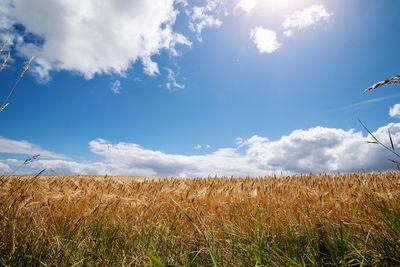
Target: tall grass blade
(155, 260)
(256, 223)
(371, 134)
(200, 231)
(391, 140)
(377, 141)
(355, 211)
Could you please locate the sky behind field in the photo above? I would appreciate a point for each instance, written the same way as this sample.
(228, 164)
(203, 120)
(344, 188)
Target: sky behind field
(198, 88)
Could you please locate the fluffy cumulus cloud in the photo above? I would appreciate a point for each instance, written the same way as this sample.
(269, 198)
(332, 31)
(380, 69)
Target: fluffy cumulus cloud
(305, 18)
(317, 149)
(91, 37)
(321, 149)
(395, 111)
(265, 40)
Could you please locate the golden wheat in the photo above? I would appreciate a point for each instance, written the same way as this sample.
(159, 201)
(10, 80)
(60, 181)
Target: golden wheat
(291, 201)
(37, 205)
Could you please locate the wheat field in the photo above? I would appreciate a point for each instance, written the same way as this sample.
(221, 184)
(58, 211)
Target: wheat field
(314, 219)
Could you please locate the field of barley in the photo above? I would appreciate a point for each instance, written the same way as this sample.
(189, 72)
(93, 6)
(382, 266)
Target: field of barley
(315, 219)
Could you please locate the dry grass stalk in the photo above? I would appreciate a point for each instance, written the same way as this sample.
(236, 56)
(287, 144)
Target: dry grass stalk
(25, 68)
(4, 44)
(5, 61)
(7, 57)
(388, 81)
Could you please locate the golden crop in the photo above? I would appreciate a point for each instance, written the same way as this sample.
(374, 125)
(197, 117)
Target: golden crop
(290, 200)
(218, 205)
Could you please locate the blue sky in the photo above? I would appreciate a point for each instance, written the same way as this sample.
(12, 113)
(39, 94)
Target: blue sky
(197, 88)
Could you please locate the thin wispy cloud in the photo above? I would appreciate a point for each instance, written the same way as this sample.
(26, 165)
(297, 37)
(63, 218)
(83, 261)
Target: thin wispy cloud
(171, 77)
(200, 146)
(305, 18)
(362, 103)
(116, 87)
(26, 148)
(205, 17)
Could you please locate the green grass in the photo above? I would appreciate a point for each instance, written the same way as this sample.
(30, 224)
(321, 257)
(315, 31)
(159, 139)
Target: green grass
(68, 242)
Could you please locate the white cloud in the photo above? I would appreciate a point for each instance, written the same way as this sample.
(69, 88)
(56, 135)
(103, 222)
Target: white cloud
(246, 5)
(92, 37)
(26, 148)
(288, 33)
(365, 102)
(184, 3)
(265, 40)
(59, 166)
(200, 146)
(320, 149)
(116, 87)
(305, 18)
(395, 111)
(317, 149)
(204, 16)
(150, 67)
(249, 5)
(171, 76)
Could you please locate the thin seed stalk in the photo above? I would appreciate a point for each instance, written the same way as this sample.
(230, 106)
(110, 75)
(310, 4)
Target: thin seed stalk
(5, 61)
(4, 44)
(15, 84)
(388, 81)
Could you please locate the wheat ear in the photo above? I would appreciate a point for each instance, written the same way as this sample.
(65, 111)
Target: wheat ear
(388, 81)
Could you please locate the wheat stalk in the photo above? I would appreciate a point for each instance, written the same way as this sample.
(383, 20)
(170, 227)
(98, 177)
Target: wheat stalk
(388, 81)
